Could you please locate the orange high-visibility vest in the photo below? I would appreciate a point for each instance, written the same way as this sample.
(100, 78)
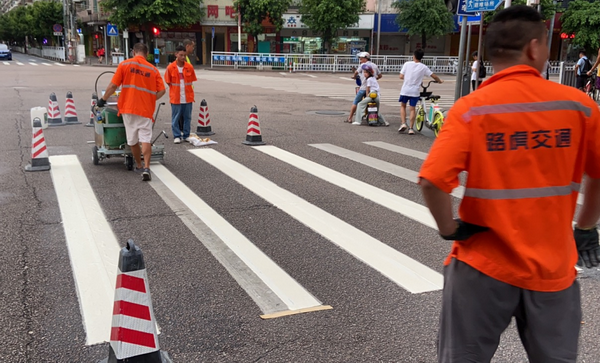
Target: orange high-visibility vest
(172, 79)
(139, 82)
(525, 143)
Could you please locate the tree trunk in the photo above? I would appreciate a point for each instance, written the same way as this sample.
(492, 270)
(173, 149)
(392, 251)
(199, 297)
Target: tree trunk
(423, 41)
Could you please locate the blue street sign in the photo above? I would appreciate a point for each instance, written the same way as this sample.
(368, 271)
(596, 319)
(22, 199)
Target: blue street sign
(462, 8)
(470, 19)
(213, 32)
(111, 30)
(482, 5)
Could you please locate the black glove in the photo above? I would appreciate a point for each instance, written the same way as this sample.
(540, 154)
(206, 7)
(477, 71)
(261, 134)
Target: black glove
(587, 246)
(101, 103)
(464, 231)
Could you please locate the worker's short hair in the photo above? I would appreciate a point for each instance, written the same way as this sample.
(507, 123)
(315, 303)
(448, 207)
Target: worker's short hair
(180, 48)
(188, 41)
(511, 30)
(140, 48)
(582, 51)
(419, 54)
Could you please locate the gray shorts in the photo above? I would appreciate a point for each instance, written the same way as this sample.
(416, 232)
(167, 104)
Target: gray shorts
(476, 309)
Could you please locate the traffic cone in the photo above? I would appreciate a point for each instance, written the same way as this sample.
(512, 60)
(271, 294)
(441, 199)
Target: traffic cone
(92, 116)
(253, 136)
(204, 128)
(70, 110)
(39, 153)
(54, 115)
(133, 336)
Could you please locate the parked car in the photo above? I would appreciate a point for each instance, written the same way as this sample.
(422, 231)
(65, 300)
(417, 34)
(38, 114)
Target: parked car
(5, 53)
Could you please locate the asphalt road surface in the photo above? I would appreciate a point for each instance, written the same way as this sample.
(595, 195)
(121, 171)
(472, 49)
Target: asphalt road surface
(316, 247)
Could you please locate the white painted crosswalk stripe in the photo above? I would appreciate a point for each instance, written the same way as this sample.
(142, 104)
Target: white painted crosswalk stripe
(93, 247)
(19, 64)
(33, 64)
(47, 64)
(249, 261)
(381, 165)
(59, 64)
(6, 63)
(401, 269)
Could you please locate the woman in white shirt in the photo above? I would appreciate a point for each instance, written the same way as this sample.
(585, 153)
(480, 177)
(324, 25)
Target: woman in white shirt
(475, 81)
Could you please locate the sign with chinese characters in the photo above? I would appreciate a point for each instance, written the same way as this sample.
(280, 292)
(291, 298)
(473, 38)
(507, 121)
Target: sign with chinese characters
(528, 140)
(294, 21)
(220, 12)
(482, 5)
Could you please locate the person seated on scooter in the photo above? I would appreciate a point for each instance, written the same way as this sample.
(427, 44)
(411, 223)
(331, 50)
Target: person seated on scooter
(364, 58)
(372, 86)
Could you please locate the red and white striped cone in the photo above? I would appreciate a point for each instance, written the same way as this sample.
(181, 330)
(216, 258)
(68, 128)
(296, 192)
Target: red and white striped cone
(39, 153)
(70, 110)
(204, 128)
(253, 136)
(54, 115)
(133, 336)
(92, 116)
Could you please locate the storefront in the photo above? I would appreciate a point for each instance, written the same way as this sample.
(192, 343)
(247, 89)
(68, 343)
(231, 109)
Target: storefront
(297, 38)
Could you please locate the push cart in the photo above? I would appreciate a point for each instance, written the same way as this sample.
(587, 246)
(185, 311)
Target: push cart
(110, 138)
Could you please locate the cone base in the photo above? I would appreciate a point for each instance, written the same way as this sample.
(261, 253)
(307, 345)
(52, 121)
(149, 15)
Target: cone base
(155, 357)
(253, 143)
(204, 131)
(30, 167)
(55, 122)
(74, 121)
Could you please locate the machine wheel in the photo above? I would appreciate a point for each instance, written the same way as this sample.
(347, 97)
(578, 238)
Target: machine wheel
(95, 158)
(438, 122)
(129, 162)
(420, 118)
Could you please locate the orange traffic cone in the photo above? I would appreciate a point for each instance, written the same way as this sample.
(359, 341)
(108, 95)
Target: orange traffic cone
(39, 153)
(204, 128)
(253, 136)
(54, 115)
(92, 116)
(133, 336)
(70, 110)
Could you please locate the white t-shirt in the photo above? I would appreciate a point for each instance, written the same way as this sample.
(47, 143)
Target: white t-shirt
(361, 73)
(373, 84)
(413, 72)
(181, 86)
(474, 71)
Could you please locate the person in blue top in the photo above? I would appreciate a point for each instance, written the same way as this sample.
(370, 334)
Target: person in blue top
(581, 69)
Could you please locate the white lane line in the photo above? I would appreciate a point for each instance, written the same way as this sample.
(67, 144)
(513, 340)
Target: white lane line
(59, 64)
(309, 75)
(398, 149)
(346, 78)
(75, 65)
(401, 269)
(33, 64)
(47, 64)
(246, 262)
(396, 170)
(93, 247)
(283, 73)
(6, 63)
(422, 156)
(19, 63)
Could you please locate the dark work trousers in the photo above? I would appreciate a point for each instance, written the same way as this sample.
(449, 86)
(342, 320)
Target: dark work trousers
(476, 309)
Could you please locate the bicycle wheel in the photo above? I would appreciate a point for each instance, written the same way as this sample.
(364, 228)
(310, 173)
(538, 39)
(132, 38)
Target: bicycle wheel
(420, 117)
(438, 122)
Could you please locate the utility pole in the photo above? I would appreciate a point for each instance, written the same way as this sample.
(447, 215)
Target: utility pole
(378, 24)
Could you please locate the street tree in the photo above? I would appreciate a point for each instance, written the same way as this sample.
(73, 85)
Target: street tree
(326, 17)
(426, 18)
(15, 25)
(582, 18)
(162, 13)
(255, 12)
(44, 14)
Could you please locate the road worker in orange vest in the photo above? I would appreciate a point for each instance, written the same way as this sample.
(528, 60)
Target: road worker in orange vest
(141, 86)
(526, 143)
(180, 76)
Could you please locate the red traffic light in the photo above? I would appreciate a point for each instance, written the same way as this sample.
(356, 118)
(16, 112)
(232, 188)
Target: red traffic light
(566, 36)
(156, 31)
(96, 35)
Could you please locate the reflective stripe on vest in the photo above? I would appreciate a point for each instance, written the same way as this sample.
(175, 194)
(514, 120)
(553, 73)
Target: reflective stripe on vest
(497, 194)
(138, 88)
(527, 107)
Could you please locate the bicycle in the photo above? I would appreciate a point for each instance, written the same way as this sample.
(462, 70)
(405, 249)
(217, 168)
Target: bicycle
(433, 116)
(590, 88)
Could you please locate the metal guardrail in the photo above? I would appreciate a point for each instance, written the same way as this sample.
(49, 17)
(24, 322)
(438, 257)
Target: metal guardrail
(53, 53)
(567, 74)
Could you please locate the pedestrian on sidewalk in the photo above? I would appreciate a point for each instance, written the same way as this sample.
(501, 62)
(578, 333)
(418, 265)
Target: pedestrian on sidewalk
(476, 78)
(100, 52)
(141, 86)
(180, 76)
(515, 250)
(582, 67)
(412, 73)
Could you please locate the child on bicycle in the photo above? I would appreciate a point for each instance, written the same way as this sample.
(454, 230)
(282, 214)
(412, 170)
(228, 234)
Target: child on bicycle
(412, 74)
(372, 86)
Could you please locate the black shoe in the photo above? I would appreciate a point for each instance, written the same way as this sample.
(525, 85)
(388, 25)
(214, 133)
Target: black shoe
(146, 176)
